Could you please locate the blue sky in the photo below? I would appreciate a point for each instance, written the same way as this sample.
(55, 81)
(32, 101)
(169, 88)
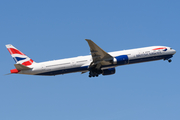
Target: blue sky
(47, 30)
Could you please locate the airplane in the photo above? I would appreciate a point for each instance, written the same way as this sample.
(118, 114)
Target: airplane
(99, 62)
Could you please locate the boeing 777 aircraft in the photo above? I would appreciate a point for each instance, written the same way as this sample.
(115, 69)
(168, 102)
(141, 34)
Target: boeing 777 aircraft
(99, 62)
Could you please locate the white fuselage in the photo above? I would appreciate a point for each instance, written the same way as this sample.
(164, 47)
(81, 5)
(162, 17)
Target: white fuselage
(81, 63)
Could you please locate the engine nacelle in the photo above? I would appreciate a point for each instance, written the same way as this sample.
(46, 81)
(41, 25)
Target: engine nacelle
(109, 71)
(120, 60)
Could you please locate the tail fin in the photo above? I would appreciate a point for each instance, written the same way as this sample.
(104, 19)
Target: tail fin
(18, 56)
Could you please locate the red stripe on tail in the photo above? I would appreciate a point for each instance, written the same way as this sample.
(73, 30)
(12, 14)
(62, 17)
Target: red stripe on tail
(14, 51)
(27, 63)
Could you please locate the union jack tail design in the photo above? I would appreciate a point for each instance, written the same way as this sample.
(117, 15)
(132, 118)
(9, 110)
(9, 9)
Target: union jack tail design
(18, 56)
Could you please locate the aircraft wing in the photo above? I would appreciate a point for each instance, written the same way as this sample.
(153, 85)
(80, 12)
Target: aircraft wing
(99, 56)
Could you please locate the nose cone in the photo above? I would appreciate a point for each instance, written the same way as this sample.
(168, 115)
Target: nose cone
(174, 51)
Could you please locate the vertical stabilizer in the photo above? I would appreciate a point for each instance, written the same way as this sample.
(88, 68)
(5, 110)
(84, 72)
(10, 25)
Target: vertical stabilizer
(18, 56)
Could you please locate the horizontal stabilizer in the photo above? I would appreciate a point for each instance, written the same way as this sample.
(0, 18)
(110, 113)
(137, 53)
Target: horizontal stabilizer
(21, 67)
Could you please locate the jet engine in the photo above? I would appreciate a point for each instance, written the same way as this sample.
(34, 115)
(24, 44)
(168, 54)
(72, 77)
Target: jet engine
(120, 60)
(109, 71)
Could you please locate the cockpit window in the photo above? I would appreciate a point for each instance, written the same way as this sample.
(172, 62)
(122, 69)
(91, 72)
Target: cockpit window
(170, 48)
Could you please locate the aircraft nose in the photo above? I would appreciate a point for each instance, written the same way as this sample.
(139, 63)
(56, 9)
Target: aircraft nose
(174, 51)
